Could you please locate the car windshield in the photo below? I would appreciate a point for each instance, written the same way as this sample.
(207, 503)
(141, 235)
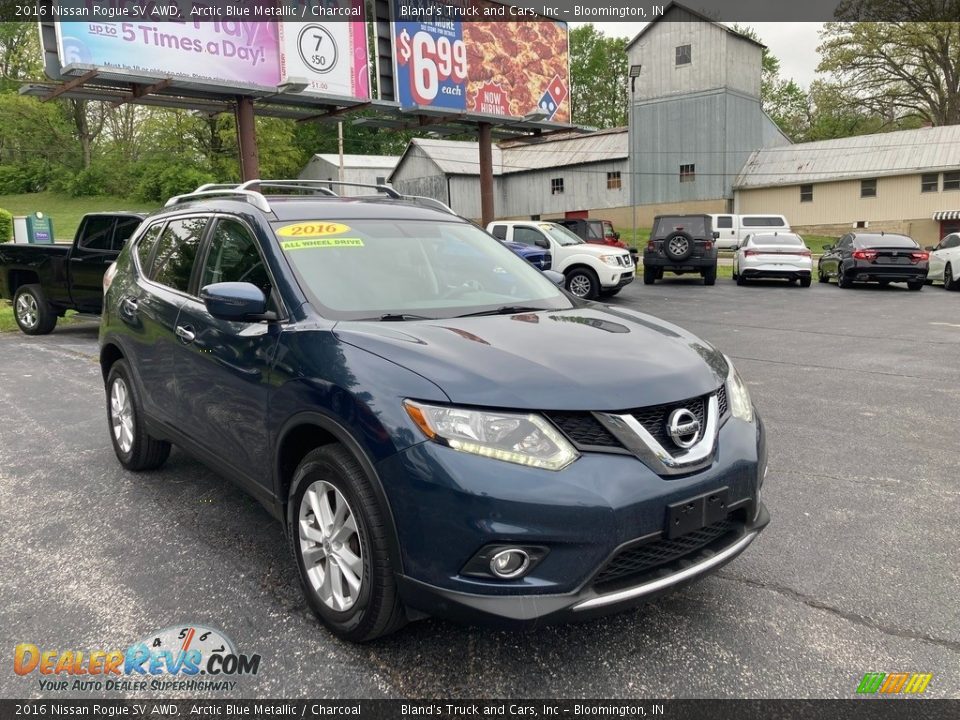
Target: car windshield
(693, 225)
(608, 230)
(560, 234)
(368, 269)
(776, 240)
(899, 241)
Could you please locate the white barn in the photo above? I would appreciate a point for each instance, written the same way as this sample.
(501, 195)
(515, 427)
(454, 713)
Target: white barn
(367, 169)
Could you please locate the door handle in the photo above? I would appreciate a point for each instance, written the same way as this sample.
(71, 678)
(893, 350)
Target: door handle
(128, 308)
(186, 333)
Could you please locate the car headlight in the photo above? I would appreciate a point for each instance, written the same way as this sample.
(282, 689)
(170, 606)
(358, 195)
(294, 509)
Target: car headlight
(611, 260)
(737, 394)
(524, 439)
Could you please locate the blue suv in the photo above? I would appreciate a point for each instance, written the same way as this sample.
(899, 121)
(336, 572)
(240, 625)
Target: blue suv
(440, 429)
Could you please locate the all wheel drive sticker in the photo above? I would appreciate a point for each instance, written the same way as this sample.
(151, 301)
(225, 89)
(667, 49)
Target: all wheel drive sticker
(187, 657)
(315, 234)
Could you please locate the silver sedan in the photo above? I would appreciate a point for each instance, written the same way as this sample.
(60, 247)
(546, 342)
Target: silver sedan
(773, 255)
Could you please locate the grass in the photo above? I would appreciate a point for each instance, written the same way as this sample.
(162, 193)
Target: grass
(66, 211)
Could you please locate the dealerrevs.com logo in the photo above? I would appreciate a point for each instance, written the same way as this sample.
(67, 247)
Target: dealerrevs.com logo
(188, 657)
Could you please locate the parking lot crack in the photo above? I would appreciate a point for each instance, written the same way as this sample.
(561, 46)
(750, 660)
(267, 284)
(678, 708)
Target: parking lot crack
(853, 617)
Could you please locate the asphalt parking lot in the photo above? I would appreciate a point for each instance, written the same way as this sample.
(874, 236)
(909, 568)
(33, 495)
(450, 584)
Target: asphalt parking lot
(857, 572)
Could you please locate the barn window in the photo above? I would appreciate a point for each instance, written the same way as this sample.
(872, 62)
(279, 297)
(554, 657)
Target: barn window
(868, 188)
(688, 173)
(683, 54)
(556, 186)
(951, 181)
(381, 180)
(929, 182)
(613, 180)
(806, 193)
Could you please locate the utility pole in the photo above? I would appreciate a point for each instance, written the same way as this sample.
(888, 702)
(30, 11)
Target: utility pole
(486, 173)
(247, 139)
(631, 150)
(340, 146)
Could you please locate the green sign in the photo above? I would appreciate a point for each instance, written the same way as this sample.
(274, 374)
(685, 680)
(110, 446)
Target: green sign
(39, 229)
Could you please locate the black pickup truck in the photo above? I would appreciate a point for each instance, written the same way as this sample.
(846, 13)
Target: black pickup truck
(44, 281)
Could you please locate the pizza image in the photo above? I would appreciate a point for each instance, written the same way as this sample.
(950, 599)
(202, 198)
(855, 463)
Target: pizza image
(518, 67)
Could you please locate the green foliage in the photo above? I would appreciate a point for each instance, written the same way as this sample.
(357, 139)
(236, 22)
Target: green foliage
(598, 78)
(160, 183)
(898, 71)
(6, 225)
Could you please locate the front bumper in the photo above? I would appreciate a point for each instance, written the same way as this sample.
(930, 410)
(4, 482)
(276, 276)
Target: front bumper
(528, 611)
(448, 505)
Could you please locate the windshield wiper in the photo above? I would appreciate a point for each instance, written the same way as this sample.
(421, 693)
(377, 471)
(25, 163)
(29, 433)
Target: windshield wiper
(401, 317)
(504, 310)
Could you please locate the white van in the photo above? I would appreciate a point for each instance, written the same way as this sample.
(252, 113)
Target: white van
(734, 229)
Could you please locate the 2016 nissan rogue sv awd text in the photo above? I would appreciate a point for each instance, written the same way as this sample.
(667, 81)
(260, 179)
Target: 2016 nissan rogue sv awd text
(440, 428)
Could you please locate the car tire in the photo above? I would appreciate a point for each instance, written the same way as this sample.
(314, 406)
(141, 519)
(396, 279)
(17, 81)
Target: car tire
(649, 275)
(32, 312)
(806, 282)
(134, 447)
(710, 276)
(678, 247)
(741, 280)
(949, 282)
(583, 283)
(916, 285)
(327, 557)
(843, 280)
(821, 277)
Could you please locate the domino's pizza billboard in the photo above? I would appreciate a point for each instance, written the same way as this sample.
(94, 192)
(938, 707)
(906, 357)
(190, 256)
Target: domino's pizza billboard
(497, 67)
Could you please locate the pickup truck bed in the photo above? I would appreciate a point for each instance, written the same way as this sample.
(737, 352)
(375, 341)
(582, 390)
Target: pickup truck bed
(44, 281)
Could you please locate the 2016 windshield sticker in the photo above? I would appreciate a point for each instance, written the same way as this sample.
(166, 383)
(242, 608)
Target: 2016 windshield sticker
(312, 229)
(321, 243)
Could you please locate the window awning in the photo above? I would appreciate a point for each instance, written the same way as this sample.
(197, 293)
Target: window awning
(947, 215)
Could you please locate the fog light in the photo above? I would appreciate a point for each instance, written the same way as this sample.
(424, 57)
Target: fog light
(509, 563)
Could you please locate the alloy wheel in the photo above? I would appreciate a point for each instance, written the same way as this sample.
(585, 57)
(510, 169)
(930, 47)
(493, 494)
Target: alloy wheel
(330, 546)
(121, 414)
(678, 246)
(27, 311)
(580, 286)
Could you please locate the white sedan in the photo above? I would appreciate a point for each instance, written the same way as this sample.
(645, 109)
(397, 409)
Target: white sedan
(773, 255)
(945, 262)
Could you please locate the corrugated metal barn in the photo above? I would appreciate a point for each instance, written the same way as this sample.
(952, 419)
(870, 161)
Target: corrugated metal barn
(906, 181)
(695, 112)
(369, 169)
(556, 176)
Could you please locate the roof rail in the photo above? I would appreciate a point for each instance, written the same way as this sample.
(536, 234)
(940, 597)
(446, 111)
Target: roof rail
(385, 189)
(314, 185)
(429, 202)
(254, 198)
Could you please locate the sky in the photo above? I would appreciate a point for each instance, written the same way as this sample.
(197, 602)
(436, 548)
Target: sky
(795, 44)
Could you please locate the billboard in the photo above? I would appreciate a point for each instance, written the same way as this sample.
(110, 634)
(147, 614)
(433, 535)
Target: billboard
(508, 68)
(331, 56)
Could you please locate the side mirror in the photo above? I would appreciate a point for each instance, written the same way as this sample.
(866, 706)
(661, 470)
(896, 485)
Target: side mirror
(542, 243)
(236, 301)
(930, 248)
(827, 248)
(554, 277)
(616, 235)
(716, 235)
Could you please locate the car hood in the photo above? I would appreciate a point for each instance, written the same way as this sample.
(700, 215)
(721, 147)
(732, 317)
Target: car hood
(587, 358)
(595, 249)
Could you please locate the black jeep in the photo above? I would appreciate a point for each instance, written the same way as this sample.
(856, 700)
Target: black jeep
(681, 244)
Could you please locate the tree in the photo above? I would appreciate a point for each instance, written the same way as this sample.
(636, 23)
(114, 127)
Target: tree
(19, 53)
(783, 100)
(898, 70)
(598, 78)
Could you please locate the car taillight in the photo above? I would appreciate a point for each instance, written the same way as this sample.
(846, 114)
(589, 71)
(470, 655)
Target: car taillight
(651, 246)
(918, 256)
(804, 253)
(750, 253)
(108, 277)
(864, 254)
(708, 245)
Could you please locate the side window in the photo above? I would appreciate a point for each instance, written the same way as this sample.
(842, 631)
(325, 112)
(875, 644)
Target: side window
(126, 226)
(724, 222)
(145, 246)
(595, 230)
(234, 257)
(499, 232)
(176, 251)
(526, 235)
(97, 233)
(845, 242)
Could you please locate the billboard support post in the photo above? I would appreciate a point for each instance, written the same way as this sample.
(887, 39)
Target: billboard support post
(247, 139)
(486, 173)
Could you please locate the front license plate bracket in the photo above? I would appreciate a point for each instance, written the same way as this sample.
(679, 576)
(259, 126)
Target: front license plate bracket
(694, 513)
